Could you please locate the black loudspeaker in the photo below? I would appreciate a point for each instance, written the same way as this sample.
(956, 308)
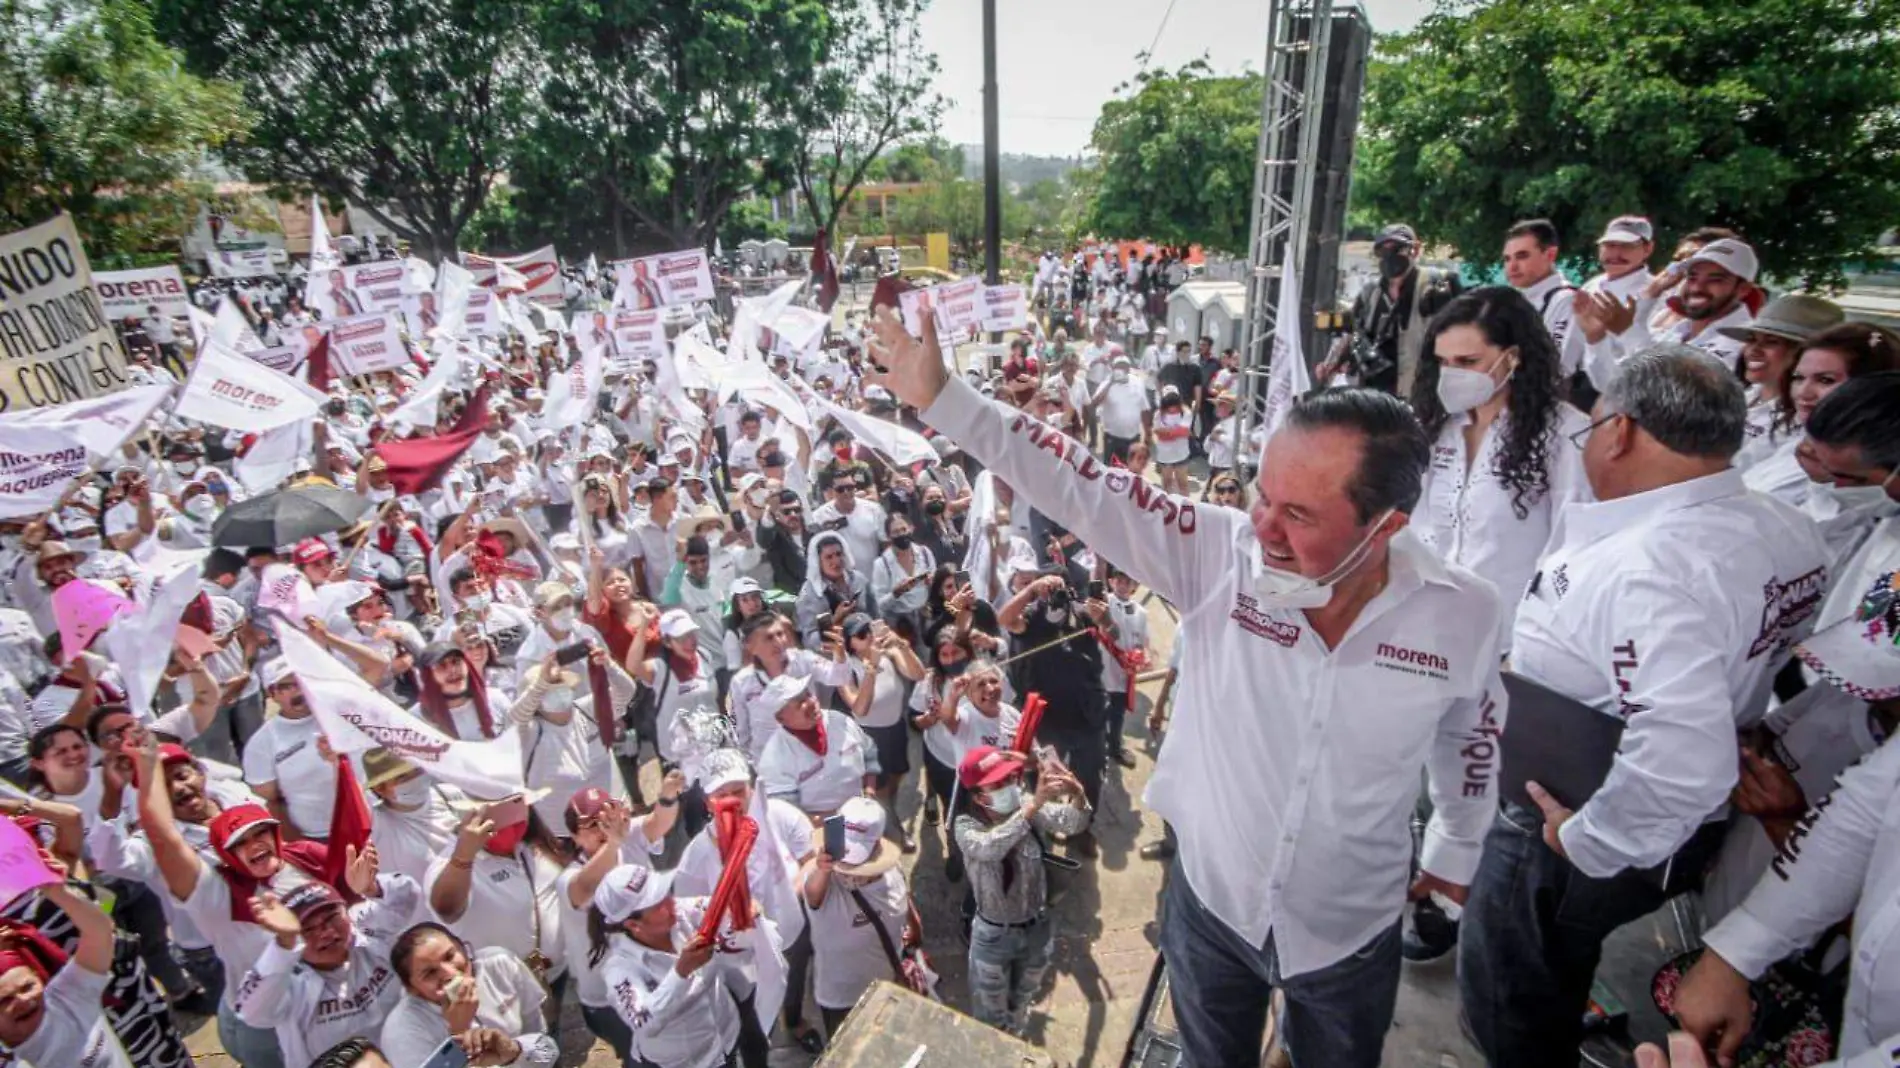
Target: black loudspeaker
(889, 1027)
(1339, 124)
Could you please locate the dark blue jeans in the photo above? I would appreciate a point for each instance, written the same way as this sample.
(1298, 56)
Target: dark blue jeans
(606, 1025)
(1335, 1017)
(1533, 933)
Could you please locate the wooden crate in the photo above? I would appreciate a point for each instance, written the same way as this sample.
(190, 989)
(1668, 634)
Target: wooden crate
(889, 1025)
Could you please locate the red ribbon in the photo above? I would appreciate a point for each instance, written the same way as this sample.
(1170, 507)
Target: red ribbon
(1026, 726)
(732, 895)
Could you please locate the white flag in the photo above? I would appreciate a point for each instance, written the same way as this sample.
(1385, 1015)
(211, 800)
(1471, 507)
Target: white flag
(233, 391)
(419, 408)
(453, 283)
(573, 394)
(591, 270)
(902, 445)
(1287, 377)
(231, 329)
(140, 641)
(274, 457)
(42, 450)
(354, 717)
(322, 256)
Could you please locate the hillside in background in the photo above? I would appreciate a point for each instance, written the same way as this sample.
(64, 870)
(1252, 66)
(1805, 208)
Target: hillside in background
(1019, 170)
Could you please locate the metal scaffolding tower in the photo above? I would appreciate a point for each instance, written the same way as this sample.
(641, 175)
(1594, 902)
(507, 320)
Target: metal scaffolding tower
(1299, 40)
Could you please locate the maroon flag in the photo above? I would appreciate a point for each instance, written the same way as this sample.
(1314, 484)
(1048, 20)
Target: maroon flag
(889, 287)
(349, 824)
(419, 464)
(316, 364)
(824, 271)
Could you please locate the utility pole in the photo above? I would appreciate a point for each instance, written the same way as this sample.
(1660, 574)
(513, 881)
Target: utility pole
(992, 168)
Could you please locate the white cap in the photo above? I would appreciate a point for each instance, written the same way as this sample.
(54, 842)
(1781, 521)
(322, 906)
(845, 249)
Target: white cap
(722, 768)
(1860, 655)
(863, 829)
(676, 623)
(746, 584)
(782, 691)
(1731, 255)
(631, 888)
(276, 670)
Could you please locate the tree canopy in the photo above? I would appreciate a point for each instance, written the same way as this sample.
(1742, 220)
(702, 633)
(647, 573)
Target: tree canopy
(405, 108)
(1778, 118)
(100, 120)
(1176, 158)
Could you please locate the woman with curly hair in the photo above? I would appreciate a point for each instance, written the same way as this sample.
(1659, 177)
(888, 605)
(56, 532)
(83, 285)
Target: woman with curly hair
(1505, 458)
(1823, 362)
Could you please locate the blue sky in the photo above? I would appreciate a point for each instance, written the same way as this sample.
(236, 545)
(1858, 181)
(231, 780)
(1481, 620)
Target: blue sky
(1058, 60)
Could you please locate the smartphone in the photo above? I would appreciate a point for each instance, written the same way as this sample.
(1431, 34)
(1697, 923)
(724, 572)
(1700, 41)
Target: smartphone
(834, 837)
(1097, 590)
(961, 578)
(738, 521)
(447, 1055)
(571, 653)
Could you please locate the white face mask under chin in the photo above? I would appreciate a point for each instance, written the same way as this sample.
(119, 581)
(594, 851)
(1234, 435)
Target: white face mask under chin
(412, 793)
(1277, 588)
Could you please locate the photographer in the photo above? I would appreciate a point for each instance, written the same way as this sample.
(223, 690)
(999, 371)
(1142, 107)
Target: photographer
(1389, 317)
(1062, 661)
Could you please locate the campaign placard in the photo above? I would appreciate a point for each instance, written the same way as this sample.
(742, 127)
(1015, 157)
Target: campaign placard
(368, 343)
(638, 335)
(650, 282)
(378, 286)
(541, 270)
(133, 294)
(55, 342)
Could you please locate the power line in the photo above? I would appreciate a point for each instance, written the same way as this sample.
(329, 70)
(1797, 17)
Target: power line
(1151, 44)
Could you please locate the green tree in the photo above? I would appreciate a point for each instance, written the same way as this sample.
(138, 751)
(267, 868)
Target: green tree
(1176, 159)
(672, 110)
(883, 73)
(404, 108)
(98, 119)
(1779, 118)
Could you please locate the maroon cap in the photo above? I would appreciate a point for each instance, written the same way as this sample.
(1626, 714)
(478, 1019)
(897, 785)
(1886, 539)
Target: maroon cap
(311, 898)
(986, 765)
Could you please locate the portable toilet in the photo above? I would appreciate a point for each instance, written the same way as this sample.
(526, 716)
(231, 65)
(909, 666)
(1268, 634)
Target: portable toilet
(1226, 315)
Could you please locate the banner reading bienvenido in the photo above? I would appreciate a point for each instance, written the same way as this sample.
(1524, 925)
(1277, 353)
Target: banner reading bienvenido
(55, 343)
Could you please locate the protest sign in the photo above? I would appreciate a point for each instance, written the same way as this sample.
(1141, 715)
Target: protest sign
(328, 293)
(43, 449)
(638, 335)
(368, 343)
(379, 286)
(244, 263)
(55, 343)
(540, 273)
(233, 391)
(133, 294)
(959, 309)
(650, 282)
(421, 313)
(1005, 307)
(21, 868)
(483, 317)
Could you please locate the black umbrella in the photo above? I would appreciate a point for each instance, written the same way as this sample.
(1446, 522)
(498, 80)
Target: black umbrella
(288, 516)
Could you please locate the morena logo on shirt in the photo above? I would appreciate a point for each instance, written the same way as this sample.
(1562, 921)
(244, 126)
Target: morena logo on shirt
(1786, 605)
(1412, 661)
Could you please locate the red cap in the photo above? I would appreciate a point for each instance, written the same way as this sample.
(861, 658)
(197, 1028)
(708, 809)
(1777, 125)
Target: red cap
(587, 803)
(173, 753)
(986, 765)
(310, 551)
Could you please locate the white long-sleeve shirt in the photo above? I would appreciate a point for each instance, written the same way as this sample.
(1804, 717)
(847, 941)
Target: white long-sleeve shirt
(312, 1010)
(818, 784)
(1291, 767)
(1842, 859)
(690, 1022)
(1672, 610)
(1554, 298)
(1468, 517)
(510, 1002)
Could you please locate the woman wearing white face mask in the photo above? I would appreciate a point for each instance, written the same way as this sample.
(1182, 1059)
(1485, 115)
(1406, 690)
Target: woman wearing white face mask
(1504, 456)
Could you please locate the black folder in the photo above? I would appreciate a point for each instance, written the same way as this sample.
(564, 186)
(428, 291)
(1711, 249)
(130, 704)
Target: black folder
(1560, 743)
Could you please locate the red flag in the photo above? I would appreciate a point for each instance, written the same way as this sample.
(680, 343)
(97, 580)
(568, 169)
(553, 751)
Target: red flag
(350, 823)
(316, 364)
(824, 271)
(419, 464)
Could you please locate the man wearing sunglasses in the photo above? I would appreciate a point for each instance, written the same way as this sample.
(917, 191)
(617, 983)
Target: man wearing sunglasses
(782, 536)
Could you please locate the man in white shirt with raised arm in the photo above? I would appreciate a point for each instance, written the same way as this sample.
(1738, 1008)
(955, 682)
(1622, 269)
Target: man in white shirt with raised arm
(1668, 603)
(1324, 616)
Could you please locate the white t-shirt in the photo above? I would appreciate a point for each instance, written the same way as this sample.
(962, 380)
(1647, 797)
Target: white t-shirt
(1121, 407)
(784, 842)
(510, 1001)
(497, 913)
(1172, 451)
(74, 1033)
(887, 700)
(847, 955)
(284, 753)
(973, 728)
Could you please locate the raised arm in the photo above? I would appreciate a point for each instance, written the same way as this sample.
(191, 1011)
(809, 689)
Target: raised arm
(177, 861)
